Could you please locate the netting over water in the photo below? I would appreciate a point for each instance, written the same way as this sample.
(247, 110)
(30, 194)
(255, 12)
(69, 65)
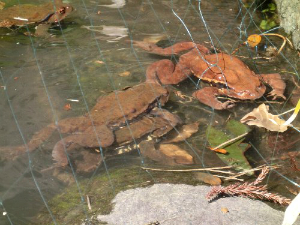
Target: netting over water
(77, 115)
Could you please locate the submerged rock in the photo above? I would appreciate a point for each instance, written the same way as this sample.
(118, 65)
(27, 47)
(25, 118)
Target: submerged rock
(288, 11)
(184, 204)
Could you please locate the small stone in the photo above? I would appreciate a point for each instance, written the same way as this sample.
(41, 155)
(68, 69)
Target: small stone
(224, 210)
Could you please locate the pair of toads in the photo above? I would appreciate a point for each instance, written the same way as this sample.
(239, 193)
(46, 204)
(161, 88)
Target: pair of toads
(107, 123)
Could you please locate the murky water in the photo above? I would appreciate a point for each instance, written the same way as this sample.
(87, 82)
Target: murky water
(92, 56)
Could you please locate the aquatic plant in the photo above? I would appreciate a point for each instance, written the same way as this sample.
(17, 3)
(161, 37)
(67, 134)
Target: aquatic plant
(249, 190)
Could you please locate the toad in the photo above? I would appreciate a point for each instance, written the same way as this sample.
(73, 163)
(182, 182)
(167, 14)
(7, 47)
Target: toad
(102, 126)
(40, 15)
(227, 75)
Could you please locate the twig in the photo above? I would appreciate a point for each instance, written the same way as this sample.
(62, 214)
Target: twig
(193, 170)
(252, 170)
(285, 71)
(230, 141)
(88, 202)
(285, 39)
(229, 178)
(286, 112)
(221, 171)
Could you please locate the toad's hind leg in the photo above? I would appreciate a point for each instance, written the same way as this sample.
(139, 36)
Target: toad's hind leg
(172, 50)
(208, 96)
(165, 72)
(92, 137)
(12, 152)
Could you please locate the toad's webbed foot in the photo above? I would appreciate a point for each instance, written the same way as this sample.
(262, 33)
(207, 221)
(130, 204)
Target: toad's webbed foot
(276, 83)
(208, 96)
(11, 152)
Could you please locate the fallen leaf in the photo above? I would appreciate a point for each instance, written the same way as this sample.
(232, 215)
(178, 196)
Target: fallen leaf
(235, 156)
(219, 150)
(124, 74)
(167, 154)
(224, 210)
(148, 149)
(16, 78)
(208, 178)
(2, 4)
(99, 62)
(253, 40)
(179, 155)
(185, 132)
(271, 51)
(293, 189)
(67, 107)
(262, 118)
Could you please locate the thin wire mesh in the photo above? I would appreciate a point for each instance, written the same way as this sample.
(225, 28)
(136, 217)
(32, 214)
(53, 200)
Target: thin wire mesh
(83, 62)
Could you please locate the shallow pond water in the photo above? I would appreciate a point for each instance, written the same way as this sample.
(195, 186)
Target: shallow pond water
(91, 55)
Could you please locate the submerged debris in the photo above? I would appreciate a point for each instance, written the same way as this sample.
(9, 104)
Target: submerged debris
(262, 118)
(249, 190)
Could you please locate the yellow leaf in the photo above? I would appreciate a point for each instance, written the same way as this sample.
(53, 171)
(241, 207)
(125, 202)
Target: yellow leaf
(254, 40)
(124, 74)
(2, 4)
(291, 119)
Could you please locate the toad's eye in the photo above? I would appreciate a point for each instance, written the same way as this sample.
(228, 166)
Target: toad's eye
(62, 10)
(260, 86)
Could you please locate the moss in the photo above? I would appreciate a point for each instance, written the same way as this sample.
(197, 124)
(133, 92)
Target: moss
(68, 207)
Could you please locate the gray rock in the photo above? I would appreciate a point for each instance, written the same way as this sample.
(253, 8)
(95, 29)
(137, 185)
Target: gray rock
(289, 15)
(171, 204)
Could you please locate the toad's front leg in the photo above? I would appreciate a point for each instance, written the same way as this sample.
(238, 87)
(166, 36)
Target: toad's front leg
(208, 96)
(276, 83)
(165, 72)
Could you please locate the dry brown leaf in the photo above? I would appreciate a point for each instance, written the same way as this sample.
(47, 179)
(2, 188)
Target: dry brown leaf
(185, 132)
(262, 118)
(124, 74)
(179, 155)
(99, 62)
(224, 210)
(2, 4)
(208, 178)
(67, 107)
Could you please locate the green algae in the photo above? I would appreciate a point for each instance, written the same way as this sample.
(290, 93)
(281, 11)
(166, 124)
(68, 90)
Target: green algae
(70, 207)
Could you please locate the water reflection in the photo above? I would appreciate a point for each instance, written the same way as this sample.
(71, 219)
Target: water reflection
(115, 4)
(113, 33)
